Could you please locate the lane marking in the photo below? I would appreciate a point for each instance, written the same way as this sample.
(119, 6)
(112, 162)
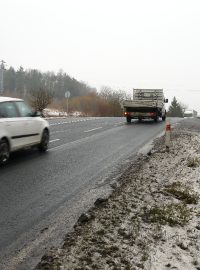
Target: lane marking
(59, 131)
(75, 121)
(94, 136)
(54, 140)
(92, 129)
(119, 123)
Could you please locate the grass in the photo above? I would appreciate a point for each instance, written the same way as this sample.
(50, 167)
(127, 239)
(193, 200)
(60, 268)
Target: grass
(171, 214)
(101, 232)
(193, 162)
(183, 193)
(195, 262)
(108, 250)
(124, 234)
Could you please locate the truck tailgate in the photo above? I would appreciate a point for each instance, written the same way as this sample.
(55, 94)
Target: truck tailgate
(142, 103)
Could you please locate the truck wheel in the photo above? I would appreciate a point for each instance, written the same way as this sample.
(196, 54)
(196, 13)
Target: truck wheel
(4, 152)
(128, 120)
(156, 119)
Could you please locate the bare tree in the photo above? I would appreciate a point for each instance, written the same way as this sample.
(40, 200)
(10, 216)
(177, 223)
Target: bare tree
(40, 99)
(113, 99)
(183, 106)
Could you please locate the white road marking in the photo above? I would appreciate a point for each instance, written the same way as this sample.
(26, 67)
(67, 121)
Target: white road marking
(82, 140)
(54, 140)
(76, 121)
(119, 123)
(92, 129)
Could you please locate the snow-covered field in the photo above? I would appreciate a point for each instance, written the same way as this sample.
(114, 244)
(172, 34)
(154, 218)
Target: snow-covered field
(52, 113)
(151, 221)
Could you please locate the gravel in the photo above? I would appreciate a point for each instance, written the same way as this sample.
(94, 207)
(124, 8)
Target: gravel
(151, 220)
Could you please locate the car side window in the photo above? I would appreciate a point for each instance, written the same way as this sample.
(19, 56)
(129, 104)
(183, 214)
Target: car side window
(8, 110)
(24, 109)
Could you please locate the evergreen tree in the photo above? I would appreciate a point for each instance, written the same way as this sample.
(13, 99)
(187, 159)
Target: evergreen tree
(23, 82)
(10, 80)
(20, 86)
(175, 109)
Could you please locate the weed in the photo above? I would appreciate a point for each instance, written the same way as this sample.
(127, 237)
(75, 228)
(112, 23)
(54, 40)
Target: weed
(172, 214)
(144, 257)
(193, 162)
(124, 233)
(100, 232)
(86, 259)
(124, 261)
(127, 267)
(95, 266)
(108, 250)
(183, 193)
(195, 262)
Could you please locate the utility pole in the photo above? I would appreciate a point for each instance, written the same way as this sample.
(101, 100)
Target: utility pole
(2, 68)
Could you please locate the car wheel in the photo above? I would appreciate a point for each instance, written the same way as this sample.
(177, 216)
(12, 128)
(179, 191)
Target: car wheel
(44, 144)
(4, 152)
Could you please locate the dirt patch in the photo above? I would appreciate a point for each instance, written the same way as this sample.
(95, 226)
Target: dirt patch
(151, 220)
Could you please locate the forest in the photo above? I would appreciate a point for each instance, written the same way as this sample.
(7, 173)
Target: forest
(27, 84)
(22, 82)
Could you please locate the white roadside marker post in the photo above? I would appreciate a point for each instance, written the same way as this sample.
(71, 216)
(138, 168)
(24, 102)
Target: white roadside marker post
(168, 136)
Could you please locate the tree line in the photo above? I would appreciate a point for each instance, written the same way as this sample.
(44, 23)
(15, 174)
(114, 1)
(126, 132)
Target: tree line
(23, 82)
(48, 88)
(42, 89)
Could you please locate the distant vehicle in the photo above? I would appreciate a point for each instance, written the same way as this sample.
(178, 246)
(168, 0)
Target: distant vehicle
(20, 127)
(190, 113)
(146, 104)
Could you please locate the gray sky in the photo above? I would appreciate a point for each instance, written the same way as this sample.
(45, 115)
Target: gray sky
(122, 44)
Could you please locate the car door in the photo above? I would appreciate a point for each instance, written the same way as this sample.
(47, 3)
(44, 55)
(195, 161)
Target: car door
(32, 125)
(13, 126)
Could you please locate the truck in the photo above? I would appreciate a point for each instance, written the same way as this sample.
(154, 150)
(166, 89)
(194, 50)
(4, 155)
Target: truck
(146, 104)
(190, 113)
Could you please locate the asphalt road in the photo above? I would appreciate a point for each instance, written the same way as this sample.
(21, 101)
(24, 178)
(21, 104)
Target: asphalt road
(41, 195)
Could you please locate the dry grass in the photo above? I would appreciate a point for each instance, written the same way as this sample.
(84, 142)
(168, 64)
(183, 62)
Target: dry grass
(182, 193)
(171, 214)
(193, 162)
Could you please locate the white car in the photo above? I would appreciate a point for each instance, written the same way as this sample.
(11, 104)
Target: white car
(20, 128)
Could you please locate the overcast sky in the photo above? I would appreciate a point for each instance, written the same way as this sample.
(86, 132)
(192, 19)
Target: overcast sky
(123, 44)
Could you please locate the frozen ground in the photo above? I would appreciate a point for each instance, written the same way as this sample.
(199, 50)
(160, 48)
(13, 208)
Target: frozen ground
(152, 219)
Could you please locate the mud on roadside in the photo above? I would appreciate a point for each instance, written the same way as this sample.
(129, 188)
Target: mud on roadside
(151, 220)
